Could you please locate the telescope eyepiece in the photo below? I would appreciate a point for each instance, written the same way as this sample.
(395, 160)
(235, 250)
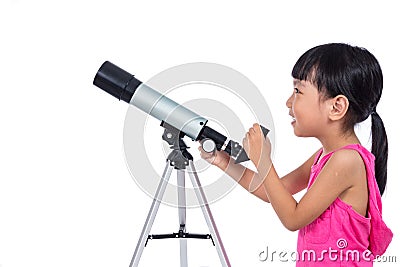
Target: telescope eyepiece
(116, 81)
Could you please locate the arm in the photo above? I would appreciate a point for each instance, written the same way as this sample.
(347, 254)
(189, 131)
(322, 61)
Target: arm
(336, 177)
(294, 182)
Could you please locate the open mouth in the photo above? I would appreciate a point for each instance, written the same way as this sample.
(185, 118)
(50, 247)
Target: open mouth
(293, 118)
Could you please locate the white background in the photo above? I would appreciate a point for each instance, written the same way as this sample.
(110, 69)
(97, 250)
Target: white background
(66, 196)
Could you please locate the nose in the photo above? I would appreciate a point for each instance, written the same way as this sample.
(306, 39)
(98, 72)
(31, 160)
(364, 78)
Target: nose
(290, 101)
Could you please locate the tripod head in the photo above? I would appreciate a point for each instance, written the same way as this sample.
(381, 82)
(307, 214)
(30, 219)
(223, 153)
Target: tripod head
(179, 156)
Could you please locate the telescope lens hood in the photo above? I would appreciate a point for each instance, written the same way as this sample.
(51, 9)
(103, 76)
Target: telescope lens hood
(116, 81)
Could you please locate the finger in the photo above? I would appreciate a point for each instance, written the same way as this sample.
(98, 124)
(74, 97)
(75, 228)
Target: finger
(268, 140)
(200, 148)
(245, 142)
(247, 136)
(257, 128)
(202, 152)
(206, 156)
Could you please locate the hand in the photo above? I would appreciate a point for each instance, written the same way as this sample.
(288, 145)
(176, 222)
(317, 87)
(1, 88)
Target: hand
(257, 147)
(217, 158)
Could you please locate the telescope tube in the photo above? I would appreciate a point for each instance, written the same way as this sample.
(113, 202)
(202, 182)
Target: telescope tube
(126, 87)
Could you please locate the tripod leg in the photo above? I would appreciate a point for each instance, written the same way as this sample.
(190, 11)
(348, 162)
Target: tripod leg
(151, 215)
(182, 216)
(207, 215)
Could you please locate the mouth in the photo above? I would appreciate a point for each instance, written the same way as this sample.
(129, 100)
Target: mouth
(293, 118)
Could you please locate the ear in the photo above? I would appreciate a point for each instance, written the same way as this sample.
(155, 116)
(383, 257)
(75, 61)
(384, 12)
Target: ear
(338, 107)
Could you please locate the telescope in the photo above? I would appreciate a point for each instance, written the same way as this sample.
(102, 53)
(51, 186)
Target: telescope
(178, 122)
(124, 86)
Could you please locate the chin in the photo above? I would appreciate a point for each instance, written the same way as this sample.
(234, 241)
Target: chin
(300, 134)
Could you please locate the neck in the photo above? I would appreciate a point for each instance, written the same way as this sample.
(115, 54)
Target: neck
(331, 142)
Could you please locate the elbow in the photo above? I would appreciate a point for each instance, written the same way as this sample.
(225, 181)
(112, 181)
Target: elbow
(292, 229)
(291, 226)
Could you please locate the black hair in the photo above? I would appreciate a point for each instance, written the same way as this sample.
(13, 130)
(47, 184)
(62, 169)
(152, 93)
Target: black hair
(342, 69)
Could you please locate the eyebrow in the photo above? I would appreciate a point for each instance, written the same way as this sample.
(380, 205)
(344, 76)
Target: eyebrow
(296, 82)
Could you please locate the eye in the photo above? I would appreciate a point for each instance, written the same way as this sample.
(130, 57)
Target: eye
(296, 91)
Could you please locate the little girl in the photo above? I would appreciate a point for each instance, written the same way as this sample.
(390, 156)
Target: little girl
(339, 218)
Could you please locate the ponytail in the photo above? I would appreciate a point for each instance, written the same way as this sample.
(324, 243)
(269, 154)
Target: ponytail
(380, 150)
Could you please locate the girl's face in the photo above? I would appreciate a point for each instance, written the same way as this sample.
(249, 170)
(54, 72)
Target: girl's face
(306, 107)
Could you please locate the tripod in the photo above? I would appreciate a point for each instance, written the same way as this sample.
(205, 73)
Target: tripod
(181, 160)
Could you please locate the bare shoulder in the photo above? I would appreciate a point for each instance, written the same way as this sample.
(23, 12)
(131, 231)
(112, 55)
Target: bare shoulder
(350, 171)
(347, 158)
(348, 164)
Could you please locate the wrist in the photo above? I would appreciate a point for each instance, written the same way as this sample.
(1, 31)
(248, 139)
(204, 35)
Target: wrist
(264, 167)
(221, 160)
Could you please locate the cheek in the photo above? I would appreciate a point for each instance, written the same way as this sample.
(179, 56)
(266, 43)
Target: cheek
(305, 111)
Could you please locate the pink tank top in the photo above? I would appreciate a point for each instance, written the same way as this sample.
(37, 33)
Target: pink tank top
(340, 236)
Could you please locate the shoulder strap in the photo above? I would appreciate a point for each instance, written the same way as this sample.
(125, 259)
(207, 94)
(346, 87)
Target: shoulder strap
(380, 235)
